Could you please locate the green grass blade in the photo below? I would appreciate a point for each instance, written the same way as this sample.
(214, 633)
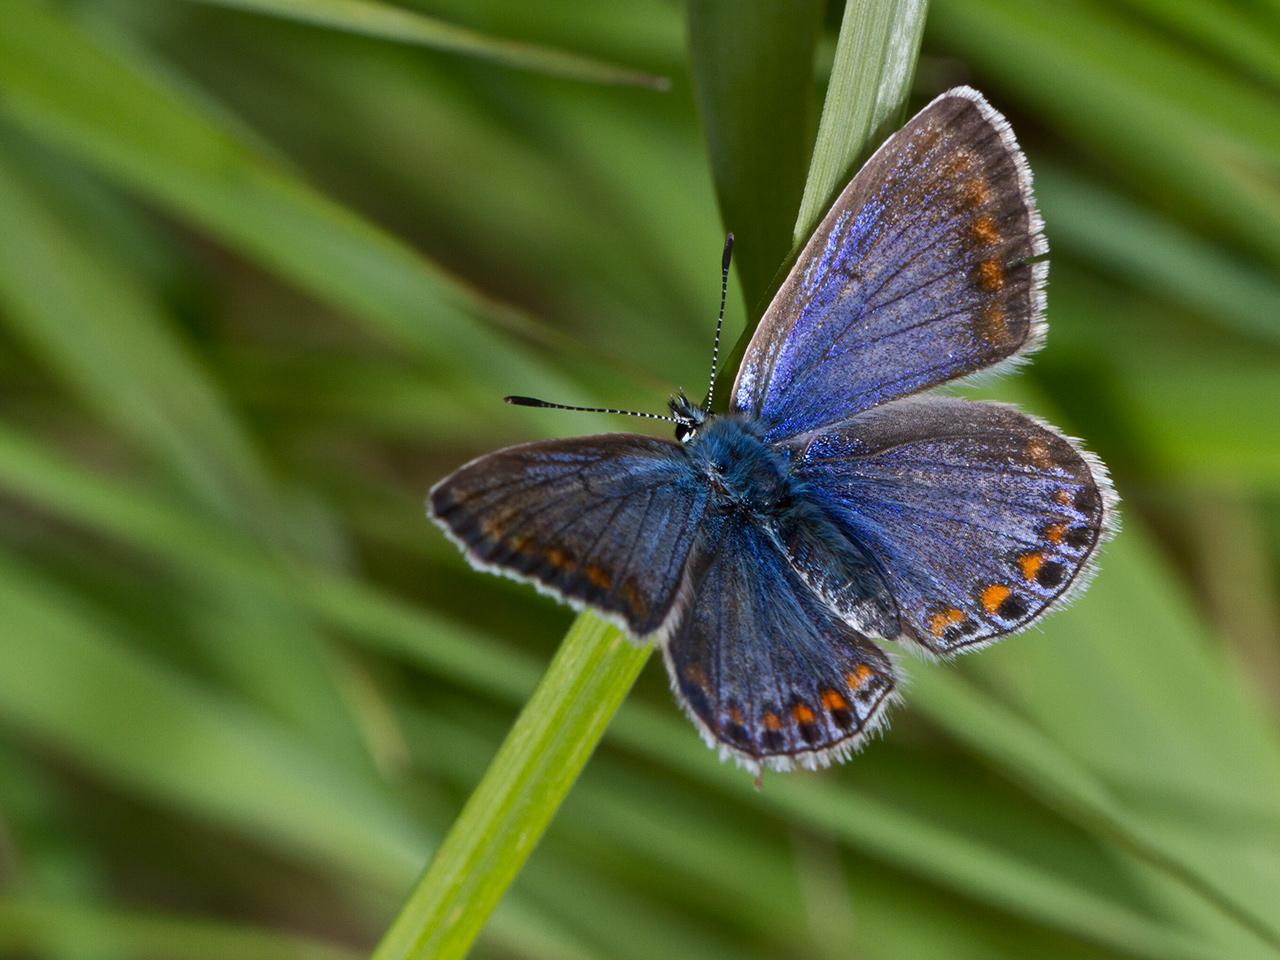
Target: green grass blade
(752, 68)
(75, 684)
(867, 97)
(1093, 224)
(31, 928)
(87, 319)
(507, 813)
(406, 26)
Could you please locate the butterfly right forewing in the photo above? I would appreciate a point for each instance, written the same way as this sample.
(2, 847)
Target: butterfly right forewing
(605, 522)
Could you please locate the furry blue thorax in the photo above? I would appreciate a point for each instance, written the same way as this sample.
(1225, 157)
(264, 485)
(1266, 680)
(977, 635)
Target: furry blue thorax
(743, 470)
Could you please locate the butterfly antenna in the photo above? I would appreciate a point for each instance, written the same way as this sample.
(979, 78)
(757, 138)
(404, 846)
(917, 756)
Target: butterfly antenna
(715, 344)
(548, 405)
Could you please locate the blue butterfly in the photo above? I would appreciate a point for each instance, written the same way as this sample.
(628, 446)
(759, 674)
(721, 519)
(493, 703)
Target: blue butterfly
(837, 504)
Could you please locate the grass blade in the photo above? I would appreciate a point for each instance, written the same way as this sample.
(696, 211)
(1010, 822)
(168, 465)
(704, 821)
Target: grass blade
(870, 80)
(30, 927)
(752, 66)
(111, 108)
(507, 813)
(407, 26)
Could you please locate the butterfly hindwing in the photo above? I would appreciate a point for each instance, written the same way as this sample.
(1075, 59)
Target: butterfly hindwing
(981, 517)
(918, 275)
(767, 671)
(605, 522)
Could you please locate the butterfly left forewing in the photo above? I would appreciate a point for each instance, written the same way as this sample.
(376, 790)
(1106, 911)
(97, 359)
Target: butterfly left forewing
(981, 517)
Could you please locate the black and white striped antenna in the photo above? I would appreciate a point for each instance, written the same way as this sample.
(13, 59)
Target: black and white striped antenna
(715, 344)
(548, 405)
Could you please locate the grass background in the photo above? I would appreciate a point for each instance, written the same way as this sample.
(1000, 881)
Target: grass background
(263, 281)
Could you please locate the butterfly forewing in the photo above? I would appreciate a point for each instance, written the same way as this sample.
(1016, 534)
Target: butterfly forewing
(605, 521)
(981, 517)
(921, 273)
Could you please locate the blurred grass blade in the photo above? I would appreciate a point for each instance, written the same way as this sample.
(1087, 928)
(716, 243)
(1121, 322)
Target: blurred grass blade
(1032, 758)
(108, 107)
(1235, 32)
(870, 82)
(389, 22)
(867, 97)
(752, 71)
(508, 811)
(33, 928)
(1156, 115)
(1091, 222)
(102, 332)
(90, 321)
(74, 685)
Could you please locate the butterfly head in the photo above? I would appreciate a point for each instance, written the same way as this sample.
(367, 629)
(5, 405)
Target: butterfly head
(688, 417)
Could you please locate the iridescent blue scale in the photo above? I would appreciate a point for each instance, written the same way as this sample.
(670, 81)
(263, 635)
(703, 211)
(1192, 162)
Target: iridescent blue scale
(839, 503)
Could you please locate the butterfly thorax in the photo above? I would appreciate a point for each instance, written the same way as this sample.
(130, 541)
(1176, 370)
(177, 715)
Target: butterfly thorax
(743, 471)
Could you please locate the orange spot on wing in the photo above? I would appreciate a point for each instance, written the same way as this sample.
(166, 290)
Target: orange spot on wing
(735, 714)
(984, 230)
(991, 274)
(974, 193)
(858, 676)
(558, 558)
(631, 595)
(1063, 497)
(994, 595)
(1031, 564)
(772, 721)
(597, 576)
(1038, 453)
(695, 673)
(992, 325)
(831, 700)
(939, 622)
(1054, 532)
(802, 713)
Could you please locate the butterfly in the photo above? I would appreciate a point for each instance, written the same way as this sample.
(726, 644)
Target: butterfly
(840, 502)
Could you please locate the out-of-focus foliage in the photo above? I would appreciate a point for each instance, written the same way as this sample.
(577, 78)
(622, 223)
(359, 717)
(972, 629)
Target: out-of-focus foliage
(262, 282)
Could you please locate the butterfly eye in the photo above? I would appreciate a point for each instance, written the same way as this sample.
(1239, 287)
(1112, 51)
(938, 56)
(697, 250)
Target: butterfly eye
(685, 432)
